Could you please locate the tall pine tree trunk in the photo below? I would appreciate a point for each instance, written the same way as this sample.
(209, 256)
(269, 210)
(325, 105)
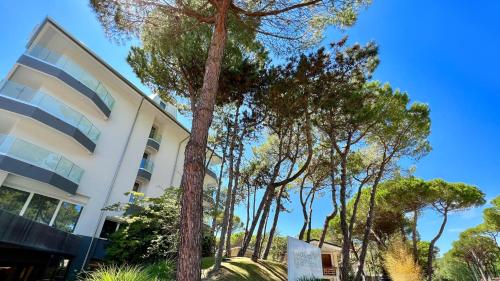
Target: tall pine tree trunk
(227, 206)
(333, 214)
(191, 216)
(308, 235)
(414, 237)
(303, 203)
(255, 220)
(369, 223)
(262, 225)
(219, 184)
(233, 196)
(275, 223)
(430, 255)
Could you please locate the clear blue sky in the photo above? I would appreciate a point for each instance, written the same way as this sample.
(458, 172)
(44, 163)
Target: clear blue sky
(444, 53)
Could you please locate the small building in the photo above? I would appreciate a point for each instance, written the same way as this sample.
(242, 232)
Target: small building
(330, 260)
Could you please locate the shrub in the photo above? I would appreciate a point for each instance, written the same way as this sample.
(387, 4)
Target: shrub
(150, 234)
(208, 243)
(162, 270)
(122, 273)
(399, 262)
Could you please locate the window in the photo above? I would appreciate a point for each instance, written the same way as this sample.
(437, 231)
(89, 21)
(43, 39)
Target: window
(152, 134)
(12, 200)
(54, 212)
(163, 105)
(109, 227)
(67, 216)
(145, 156)
(41, 208)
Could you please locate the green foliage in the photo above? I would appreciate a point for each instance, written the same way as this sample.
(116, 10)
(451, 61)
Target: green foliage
(123, 273)
(449, 197)
(161, 270)
(150, 234)
(423, 252)
(491, 216)
(476, 253)
(279, 248)
(450, 268)
(207, 244)
(173, 66)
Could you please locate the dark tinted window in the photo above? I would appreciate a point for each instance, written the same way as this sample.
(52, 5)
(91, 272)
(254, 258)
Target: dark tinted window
(12, 200)
(108, 228)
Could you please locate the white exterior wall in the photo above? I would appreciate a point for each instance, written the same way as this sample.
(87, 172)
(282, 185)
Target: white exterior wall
(112, 168)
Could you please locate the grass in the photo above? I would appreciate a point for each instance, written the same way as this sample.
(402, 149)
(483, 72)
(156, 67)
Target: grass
(114, 273)
(207, 262)
(242, 269)
(159, 271)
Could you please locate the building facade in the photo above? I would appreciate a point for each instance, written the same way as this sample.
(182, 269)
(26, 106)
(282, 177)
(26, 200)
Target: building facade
(75, 137)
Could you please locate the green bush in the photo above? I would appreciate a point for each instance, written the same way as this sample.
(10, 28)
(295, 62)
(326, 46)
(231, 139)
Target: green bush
(150, 234)
(208, 243)
(159, 271)
(162, 270)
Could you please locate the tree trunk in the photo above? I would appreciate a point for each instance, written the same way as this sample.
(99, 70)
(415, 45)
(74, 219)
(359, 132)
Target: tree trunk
(191, 216)
(262, 225)
(233, 199)
(262, 206)
(264, 235)
(227, 206)
(275, 222)
(219, 184)
(308, 235)
(369, 222)
(303, 203)
(255, 220)
(344, 270)
(248, 212)
(334, 198)
(430, 255)
(414, 237)
(329, 217)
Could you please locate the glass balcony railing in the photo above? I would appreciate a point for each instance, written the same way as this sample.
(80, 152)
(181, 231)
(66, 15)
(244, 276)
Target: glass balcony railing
(73, 69)
(156, 138)
(40, 157)
(50, 105)
(147, 165)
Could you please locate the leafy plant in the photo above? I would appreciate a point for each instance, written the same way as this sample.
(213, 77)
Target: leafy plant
(119, 273)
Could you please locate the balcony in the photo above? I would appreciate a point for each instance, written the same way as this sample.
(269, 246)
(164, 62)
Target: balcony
(146, 169)
(63, 68)
(46, 109)
(154, 142)
(29, 160)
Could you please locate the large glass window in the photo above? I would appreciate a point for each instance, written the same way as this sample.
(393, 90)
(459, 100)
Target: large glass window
(41, 208)
(12, 200)
(67, 216)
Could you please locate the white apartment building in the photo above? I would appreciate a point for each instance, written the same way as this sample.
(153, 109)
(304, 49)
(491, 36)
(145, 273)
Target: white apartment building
(75, 136)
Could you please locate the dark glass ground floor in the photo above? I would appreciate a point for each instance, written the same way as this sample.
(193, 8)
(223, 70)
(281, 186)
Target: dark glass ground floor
(32, 251)
(31, 265)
